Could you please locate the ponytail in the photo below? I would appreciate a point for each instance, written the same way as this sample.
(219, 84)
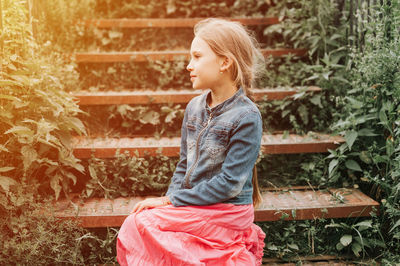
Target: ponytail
(257, 198)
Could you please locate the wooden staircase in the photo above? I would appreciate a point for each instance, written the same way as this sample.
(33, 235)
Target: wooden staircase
(297, 203)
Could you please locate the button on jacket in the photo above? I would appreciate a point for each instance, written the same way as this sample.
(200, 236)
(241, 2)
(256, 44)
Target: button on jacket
(219, 147)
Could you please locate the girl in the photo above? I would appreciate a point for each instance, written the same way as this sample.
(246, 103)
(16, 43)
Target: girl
(206, 217)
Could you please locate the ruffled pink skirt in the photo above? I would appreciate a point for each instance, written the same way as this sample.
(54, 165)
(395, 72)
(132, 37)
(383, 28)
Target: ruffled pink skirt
(219, 234)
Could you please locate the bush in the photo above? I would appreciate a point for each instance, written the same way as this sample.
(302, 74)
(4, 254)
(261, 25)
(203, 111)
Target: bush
(370, 122)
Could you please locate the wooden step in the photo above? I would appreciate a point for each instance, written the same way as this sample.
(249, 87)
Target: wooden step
(287, 205)
(144, 56)
(173, 96)
(167, 22)
(271, 144)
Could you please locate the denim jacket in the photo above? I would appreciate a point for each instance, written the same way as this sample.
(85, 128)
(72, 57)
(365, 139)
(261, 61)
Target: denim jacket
(219, 147)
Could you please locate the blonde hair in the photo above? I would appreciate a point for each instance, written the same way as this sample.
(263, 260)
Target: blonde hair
(232, 40)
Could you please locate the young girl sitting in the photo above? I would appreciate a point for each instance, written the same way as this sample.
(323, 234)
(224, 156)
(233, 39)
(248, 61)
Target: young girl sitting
(206, 217)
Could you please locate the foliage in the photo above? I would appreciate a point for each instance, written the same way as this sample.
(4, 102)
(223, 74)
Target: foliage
(277, 170)
(301, 113)
(56, 23)
(30, 236)
(133, 120)
(371, 118)
(179, 8)
(37, 116)
(357, 236)
(147, 75)
(129, 176)
(291, 239)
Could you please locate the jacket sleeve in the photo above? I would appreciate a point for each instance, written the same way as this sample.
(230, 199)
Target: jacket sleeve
(180, 169)
(242, 153)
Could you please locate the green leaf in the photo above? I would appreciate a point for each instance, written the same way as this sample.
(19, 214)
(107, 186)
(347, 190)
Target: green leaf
(367, 223)
(29, 156)
(368, 132)
(72, 177)
(3, 148)
(8, 97)
(105, 41)
(55, 185)
(355, 104)
(6, 182)
(332, 165)
(293, 246)
(364, 156)
(115, 34)
(150, 117)
(6, 169)
(271, 247)
(356, 248)
(353, 165)
(316, 100)
(350, 137)
(77, 125)
(346, 240)
(383, 117)
(303, 112)
(339, 246)
(19, 130)
(285, 134)
(389, 147)
(92, 172)
(4, 83)
(395, 225)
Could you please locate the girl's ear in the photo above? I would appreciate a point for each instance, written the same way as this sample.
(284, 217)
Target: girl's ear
(226, 64)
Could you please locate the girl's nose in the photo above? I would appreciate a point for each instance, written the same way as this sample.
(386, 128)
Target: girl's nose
(189, 66)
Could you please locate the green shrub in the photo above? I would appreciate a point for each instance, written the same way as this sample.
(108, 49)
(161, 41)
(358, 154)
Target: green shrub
(37, 116)
(370, 121)
(30, 235)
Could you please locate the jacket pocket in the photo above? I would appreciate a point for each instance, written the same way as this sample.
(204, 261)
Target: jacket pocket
(216, 144)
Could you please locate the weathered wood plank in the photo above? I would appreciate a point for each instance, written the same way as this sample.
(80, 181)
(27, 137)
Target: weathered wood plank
(271, 144)
(312, 204)
(173, 96)
(144, 56)
(288, 205)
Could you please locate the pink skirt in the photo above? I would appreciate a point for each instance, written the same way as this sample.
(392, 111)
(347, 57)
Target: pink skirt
(219, 234)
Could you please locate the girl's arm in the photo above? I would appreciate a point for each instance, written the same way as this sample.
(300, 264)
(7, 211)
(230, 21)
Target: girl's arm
(243, 149)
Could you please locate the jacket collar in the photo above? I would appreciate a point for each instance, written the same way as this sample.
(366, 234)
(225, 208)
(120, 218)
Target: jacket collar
(225, 105)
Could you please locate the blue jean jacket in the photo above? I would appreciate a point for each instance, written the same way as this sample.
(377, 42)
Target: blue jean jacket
(219, 147)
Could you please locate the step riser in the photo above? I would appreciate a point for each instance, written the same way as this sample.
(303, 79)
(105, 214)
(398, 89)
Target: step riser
(271, 144)
(259, 216)
(310, 214)
(306, 204)
(164, 56)
(166, 97)
(168, 23)
(86, 153)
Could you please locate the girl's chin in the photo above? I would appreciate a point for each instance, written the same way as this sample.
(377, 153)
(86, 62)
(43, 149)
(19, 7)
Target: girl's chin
(199, 87)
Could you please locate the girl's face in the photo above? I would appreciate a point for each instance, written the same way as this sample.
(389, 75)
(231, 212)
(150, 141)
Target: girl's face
(204, 65)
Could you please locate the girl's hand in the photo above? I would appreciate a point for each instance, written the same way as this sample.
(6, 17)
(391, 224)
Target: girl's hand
(151, 203)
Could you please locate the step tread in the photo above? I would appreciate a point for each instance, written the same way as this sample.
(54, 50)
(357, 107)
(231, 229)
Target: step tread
(84, 147)
(288, 205)
(170, 55)
(136, 96)
(168, 22)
